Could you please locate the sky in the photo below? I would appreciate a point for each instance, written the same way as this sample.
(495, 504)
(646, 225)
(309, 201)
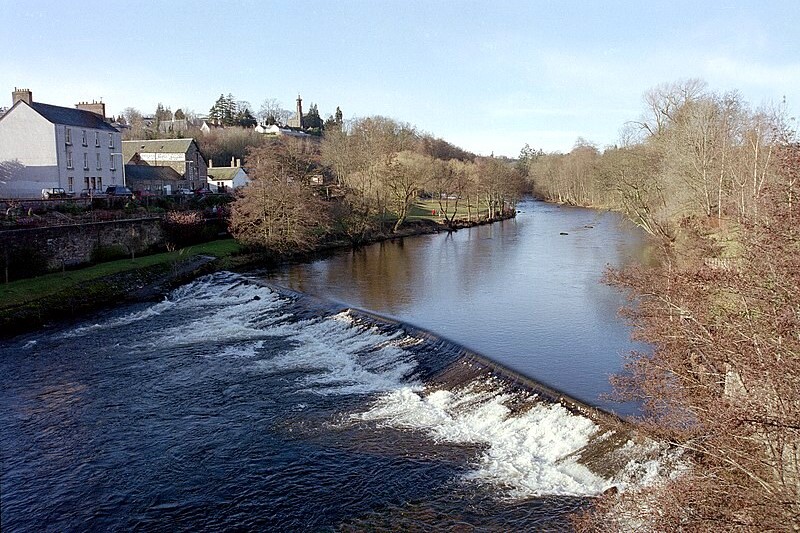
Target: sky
(488, 76)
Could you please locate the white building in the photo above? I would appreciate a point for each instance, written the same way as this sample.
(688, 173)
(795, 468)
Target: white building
(44, 146)
(276, 131)
(227, 179)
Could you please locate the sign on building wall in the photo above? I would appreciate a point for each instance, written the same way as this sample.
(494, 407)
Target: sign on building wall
(166, 158)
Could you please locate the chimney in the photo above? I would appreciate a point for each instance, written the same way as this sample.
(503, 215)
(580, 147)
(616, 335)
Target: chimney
(232, 160)
(210, 163)
(98, 108)
(22, 94)
(238, 162)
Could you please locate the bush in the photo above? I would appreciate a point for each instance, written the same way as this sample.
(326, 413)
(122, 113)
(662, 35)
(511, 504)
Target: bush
(23, 262)
(184, 228)
(70, 208)
(109, 253)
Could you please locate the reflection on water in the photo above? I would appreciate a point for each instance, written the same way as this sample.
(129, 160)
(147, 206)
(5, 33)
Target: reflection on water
(518, 291)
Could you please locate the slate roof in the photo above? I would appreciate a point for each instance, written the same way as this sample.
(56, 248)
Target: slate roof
(146, 172)
(223, 173)
(156, 146)
(68, 116)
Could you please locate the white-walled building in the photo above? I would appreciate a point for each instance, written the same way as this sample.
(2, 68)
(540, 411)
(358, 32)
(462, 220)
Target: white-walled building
(227, 179)
(44, 146)
(276, 131)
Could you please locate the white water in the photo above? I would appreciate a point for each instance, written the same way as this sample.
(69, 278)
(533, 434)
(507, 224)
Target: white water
(528, 452)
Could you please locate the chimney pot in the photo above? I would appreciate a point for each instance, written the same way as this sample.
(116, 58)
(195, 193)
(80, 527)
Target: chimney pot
(22, 94)
(98, 108)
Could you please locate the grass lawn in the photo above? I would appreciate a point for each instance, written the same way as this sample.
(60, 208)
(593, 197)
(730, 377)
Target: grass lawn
(424, 209)
(25, 290)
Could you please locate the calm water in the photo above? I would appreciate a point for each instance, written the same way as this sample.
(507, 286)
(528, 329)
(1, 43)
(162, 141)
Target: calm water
(517, 291)
(231, 406)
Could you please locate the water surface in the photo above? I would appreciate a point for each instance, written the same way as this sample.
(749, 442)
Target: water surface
(519, 291)
(230, 406)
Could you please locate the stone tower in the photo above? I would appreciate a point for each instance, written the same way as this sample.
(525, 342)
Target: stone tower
(297, 120)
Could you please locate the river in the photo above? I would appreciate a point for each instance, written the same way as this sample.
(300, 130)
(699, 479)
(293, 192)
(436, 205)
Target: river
(231, 405)
(518, 291)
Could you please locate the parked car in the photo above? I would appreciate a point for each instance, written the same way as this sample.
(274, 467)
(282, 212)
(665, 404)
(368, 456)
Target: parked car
(118, 191)
(54, 192)
(184, 191)
(92, 193)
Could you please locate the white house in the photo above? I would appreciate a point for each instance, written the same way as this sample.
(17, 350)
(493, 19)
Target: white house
(226, 179)
(276, 131)
(44, 146)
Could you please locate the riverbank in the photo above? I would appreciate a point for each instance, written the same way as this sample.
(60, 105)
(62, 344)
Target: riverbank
(28, 304)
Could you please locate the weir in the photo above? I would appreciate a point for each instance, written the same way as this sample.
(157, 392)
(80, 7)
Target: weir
(445, 365)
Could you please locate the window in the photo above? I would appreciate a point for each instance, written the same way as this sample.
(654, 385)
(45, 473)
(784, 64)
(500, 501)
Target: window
(85, 161)
(69, 158)
(97, 138)
(100, 183)
(111, 140)
(86, 182)
(84, 138)
(111, 162)
(99, 166)
(71, 183)
(94, 182)
(68, 135)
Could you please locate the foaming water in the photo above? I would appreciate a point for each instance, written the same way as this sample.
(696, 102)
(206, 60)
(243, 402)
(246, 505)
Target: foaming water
(234, 406)
(530, 453)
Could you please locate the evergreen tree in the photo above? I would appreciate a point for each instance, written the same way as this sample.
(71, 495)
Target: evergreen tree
(229, 110)
(245, 119)
(217, 112)
(312, 119)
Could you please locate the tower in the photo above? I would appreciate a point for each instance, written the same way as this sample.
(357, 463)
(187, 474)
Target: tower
(299, 112)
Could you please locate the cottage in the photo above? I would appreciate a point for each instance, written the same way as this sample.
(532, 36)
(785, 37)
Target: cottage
(227, 179)
(45, 146)
(276, 131)
(208, 126)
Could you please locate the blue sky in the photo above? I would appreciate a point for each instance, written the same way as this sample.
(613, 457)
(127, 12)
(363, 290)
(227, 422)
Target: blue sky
(489, 76)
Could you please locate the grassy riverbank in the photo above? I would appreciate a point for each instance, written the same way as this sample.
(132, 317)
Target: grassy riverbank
(31, 303)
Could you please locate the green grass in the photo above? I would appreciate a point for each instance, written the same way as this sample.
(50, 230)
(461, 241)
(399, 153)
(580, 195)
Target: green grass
(25, 290)
(423, 209)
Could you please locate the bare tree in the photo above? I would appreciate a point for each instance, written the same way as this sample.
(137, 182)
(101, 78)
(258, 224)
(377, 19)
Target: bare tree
(272, 112)
(405, 177)
(278, 210)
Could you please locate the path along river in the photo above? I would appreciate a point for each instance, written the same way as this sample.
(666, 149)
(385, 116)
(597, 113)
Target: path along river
(231, 405)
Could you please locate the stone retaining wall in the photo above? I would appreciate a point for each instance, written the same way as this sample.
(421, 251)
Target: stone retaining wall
(72, 245)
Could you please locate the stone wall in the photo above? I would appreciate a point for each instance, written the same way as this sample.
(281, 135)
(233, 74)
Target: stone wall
(72, 245)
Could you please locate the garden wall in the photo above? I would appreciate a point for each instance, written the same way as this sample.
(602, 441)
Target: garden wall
(31, 251)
